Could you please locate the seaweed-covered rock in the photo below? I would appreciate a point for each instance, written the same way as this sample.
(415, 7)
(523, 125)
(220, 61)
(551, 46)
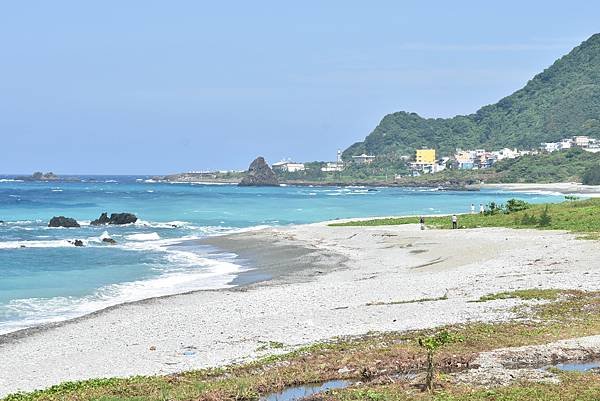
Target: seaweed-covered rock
(259, 174)
(62, 221)
(109, 241)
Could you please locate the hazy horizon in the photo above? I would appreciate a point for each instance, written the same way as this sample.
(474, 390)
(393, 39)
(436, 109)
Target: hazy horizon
(150, 88)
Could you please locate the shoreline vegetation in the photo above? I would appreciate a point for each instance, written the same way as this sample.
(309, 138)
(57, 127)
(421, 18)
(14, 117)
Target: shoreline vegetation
(573, 215)
(382, 366)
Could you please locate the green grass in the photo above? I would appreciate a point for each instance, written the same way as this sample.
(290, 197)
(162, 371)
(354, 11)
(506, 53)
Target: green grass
(568, 314)
(533, 294)
(411, 301)
(575, 216)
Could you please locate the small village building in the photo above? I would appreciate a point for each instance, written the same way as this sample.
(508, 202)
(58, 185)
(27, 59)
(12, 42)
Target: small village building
(465, 159)
(506, 153)
(288, 166)
(566, 144)
(581, 141)
(425, 156)
(363, 159)
(551, 146)
(426, 163)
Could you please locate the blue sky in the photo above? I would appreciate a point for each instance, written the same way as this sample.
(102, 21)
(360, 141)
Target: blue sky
(153, 87)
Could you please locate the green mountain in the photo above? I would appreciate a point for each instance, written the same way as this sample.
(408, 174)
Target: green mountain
(562, 101)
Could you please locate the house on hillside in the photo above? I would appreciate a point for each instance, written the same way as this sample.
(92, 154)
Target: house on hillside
(288, 166)
(363, 159)
(426, 163)
(581, 141)
(551, 146)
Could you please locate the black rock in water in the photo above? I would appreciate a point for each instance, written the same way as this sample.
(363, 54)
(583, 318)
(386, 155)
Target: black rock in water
(78, 242)
(115, 218)
(62, 221)
(109, 241)
(259, 174)
(122, 218)
(103, 219)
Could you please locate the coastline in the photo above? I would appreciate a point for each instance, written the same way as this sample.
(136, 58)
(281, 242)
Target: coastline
(325, 282)
(564, 188)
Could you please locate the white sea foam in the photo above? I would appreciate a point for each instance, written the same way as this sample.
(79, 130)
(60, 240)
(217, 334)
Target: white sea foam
(59, 243)
(143, 237)
(167, 224)
(187, 271)
(9, 180)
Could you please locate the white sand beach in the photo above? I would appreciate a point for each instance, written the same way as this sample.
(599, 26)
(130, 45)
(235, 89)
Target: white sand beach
(322, 291)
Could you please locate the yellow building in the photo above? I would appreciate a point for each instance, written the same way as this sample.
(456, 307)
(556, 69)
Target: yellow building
(425, 156)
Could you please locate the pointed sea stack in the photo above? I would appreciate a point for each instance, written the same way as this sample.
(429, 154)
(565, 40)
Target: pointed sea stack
(259, 175)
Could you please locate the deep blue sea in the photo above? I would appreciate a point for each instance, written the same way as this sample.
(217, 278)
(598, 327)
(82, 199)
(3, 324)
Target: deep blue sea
(44, 278)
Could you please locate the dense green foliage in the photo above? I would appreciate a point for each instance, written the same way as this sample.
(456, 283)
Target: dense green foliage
(564, 166)
(591, 175)
(562, 101)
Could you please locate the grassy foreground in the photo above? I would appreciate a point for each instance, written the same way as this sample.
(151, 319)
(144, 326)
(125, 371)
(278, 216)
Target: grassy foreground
(372, 358)
(582, 216)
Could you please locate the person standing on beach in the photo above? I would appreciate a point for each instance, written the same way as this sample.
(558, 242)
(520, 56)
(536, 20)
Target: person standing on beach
(422, 222)
(472, 208)
(454, 222)
(481, 209)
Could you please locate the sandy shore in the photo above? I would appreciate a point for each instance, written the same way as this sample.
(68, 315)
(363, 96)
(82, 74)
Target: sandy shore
(565, 188)
(323, 279)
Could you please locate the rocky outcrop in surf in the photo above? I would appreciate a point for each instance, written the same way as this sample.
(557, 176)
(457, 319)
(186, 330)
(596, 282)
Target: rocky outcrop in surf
(109, 241)
(62, 221)
(115, 219)
(259, 174)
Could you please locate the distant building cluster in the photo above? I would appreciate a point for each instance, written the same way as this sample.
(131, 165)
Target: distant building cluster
(427, 163)
(584, 142)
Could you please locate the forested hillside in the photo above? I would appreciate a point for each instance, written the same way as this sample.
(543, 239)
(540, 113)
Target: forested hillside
(562, 101)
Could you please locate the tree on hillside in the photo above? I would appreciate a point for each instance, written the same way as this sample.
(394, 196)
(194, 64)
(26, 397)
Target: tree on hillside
(591, 176)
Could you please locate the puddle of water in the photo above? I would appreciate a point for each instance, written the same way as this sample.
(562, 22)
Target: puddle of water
(578, 366)
(299, 392)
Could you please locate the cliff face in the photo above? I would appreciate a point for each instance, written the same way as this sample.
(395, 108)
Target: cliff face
(259, 174)
(561, 101)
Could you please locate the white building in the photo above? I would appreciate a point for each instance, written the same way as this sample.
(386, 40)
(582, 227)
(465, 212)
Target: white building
(336, 166)
(551, 146)
(363, 159)
(288, 166)
(581, 141)
(566, 144)
(506, 153)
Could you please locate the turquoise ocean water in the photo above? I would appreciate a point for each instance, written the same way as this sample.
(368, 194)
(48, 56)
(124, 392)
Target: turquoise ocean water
(44, 278)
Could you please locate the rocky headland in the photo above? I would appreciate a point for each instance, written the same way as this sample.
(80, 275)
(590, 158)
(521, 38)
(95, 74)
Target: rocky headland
(259, 174)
